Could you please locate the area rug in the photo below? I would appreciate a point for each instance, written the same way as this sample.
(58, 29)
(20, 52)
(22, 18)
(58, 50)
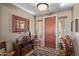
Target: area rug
(39, 52)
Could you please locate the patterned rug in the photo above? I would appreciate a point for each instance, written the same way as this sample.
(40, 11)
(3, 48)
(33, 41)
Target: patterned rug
(39, 52)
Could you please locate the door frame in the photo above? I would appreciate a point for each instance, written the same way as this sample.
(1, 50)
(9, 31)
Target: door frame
(56, 41)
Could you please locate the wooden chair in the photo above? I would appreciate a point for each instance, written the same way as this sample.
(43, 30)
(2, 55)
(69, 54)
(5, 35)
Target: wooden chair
(3, 45)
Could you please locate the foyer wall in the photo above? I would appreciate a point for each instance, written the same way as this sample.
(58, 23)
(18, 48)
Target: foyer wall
(0, 22)
(7, 11)
(76, 36)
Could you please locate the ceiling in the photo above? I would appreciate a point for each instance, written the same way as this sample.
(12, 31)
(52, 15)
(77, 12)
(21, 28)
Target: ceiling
(53, 7)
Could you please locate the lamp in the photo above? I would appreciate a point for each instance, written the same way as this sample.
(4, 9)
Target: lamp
(42, 6)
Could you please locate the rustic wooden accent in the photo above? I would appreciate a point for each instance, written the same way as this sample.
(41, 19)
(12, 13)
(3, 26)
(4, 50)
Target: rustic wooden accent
(39, 20)
(3, 45)
(23, 47)
(14, 24)
(62, 17)
(9, 53)
(50, 36)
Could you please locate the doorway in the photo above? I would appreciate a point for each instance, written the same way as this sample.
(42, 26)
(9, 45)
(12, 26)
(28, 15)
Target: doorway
(50, 32)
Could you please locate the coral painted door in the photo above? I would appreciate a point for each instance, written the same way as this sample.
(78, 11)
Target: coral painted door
(50, 29)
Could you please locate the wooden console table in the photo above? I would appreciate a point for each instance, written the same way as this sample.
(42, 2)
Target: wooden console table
(3, 45)
(9, 53)
(5, 53)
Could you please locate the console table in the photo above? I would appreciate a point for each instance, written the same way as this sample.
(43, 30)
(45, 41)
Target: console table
(22, 48)
(3, 45)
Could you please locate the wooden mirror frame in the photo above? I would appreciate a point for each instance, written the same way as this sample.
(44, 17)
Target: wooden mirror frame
(17, 26)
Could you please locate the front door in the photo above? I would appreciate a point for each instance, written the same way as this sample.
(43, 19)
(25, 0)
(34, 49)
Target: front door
(50, 30)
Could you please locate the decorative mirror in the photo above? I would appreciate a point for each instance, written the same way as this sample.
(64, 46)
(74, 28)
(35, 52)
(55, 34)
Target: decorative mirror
(19, 24)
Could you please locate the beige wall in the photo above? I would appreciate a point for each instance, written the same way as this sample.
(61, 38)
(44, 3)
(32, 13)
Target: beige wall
(6, 22)
(76, 34)
(67, 26)
(0, 22)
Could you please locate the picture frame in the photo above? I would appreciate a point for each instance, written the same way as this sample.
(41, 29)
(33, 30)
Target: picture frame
(19, 24)
(76, 25)
(72, 26)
